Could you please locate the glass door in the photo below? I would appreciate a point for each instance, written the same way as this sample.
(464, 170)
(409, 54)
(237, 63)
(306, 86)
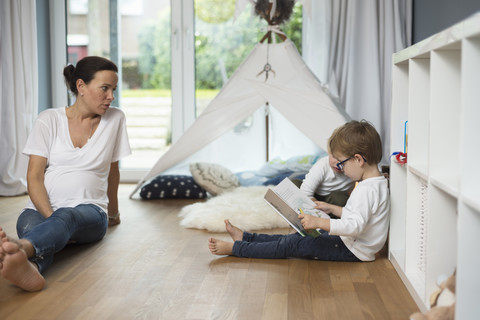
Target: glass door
(138, 40)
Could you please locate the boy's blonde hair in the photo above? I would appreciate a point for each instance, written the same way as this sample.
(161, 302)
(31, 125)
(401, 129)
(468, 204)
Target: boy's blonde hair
(357, 137)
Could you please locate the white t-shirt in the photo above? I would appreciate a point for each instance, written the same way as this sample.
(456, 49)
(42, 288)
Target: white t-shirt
(77, 175)
(363, 226)
(323, 180)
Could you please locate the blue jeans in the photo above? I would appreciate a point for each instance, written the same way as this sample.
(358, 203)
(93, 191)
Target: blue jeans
(84, 223)
(277, 246)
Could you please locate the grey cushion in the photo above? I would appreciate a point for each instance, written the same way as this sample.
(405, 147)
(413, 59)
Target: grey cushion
(214, 178)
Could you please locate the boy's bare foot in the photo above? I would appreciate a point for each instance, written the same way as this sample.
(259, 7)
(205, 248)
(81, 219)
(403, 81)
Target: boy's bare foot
(219, 247)
(15, 267)
(235, 233)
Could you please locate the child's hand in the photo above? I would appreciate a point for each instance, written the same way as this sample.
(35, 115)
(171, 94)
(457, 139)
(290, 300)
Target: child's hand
(324, 206)
(308, 221)
(328, 208)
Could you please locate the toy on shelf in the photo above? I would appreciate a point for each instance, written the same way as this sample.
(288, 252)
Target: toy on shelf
(400, 157)
(442, 302)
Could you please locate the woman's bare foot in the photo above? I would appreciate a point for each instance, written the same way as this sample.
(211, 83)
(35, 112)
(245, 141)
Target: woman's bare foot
(219, 247)
(2, 235)
(235, 233)
(15, 267)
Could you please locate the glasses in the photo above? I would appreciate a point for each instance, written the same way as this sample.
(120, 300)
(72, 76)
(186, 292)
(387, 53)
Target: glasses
(341, 164)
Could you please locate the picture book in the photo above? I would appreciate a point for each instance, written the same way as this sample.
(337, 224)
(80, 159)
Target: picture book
(289, 201)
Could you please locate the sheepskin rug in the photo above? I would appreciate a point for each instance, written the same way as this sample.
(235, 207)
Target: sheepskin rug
(243, 206)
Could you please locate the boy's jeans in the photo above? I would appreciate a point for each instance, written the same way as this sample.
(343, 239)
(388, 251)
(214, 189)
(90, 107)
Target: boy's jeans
(323, 247)
(82, 224)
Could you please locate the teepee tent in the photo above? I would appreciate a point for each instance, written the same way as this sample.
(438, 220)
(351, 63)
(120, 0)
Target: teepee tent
(273, 74)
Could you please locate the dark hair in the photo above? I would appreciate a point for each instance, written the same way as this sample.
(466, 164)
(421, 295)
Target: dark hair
(85, 70)
(357, 137)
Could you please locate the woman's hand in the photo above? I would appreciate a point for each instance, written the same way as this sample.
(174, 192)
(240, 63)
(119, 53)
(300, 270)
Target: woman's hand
(114, 219)
(112, 192)
(36, 187)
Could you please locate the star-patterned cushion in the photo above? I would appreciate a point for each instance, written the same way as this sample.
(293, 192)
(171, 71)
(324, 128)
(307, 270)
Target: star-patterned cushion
(172, 187)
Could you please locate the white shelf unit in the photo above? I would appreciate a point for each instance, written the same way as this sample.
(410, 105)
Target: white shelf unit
(435, 197)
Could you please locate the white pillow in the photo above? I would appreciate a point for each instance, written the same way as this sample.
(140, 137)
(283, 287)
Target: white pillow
(214, 178)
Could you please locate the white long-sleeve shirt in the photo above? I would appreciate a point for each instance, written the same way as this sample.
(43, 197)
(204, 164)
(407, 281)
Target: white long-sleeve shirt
(363, 226)
(323, 180)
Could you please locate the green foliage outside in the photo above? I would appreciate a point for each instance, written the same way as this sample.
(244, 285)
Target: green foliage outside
(220, 44)
(154, 62)
(165, 93)
(293, 29)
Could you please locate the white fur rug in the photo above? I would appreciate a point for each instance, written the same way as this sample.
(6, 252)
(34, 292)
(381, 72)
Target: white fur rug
(243, 206)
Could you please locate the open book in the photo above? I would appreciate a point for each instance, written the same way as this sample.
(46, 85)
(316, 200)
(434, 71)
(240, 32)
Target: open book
(289, 201)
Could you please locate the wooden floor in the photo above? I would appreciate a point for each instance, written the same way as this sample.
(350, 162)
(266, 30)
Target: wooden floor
(149, 267)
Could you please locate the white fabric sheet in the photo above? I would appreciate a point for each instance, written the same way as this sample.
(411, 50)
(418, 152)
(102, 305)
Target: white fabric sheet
(18, 91)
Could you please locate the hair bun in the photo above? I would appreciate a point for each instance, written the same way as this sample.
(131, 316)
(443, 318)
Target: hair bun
(70, 68)
(69, 78)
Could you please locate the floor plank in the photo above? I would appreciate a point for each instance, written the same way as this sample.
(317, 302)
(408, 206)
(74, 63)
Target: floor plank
(149, 267)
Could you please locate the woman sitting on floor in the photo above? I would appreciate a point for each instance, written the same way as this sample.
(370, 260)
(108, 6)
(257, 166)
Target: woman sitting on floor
(72, 176)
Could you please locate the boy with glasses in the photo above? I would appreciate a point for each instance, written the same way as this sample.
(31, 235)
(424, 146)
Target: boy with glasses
(362, 227)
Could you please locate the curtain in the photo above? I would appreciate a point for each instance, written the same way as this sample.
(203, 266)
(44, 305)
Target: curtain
(349, 44)
(18, 90)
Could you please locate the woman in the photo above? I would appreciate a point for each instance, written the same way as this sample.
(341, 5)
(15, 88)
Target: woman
(72, 176)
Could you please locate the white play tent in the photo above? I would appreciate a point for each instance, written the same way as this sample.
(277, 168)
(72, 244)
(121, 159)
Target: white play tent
(291, 88)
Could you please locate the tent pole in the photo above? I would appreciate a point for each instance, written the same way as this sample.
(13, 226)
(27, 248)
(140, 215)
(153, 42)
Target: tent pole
(267, 113)
(139, 184)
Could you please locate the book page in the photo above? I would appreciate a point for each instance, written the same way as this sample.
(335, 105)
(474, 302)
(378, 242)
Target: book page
(287, 213)
(296, 199)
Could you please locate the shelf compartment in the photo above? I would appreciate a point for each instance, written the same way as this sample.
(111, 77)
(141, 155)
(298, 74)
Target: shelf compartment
(399, 109)
(416, 225)
(468, 282)
(418, 112)
(442, 237)
(398, 211)
(444, 114)
(470, 133)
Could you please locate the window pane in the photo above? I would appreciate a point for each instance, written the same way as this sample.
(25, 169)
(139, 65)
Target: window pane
(145, 95)
(221, 44)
